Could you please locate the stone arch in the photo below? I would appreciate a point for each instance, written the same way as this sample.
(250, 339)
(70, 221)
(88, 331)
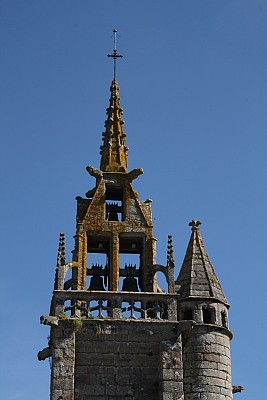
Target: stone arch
(159, 268)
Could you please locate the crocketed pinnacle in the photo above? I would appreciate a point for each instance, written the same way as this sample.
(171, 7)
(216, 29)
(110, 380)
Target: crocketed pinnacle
(114, 152)
(197, 277)
(61, 255)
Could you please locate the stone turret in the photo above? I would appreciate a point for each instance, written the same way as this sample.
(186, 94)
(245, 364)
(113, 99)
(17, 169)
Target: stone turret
(206, 347)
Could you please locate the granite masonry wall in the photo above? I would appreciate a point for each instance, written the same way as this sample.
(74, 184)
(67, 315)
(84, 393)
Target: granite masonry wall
(111, 360)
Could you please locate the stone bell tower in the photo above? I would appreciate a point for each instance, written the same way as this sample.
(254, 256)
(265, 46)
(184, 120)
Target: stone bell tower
(111, 220)
(114, 333)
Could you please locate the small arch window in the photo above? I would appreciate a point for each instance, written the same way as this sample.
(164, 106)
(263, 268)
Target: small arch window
(207, 316)
(224, 319)
(187, 314)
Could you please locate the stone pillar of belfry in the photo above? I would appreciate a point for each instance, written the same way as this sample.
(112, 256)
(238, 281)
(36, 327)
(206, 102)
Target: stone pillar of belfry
(114, 274)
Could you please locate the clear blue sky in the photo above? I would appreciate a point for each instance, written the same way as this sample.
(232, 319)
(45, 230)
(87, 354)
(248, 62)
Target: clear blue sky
(194, 91)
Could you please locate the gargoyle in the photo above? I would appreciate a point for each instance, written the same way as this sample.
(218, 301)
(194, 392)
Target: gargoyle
(44, 354)
(49, 320)
(135, 173)
(94, 172)
(90, 193)
(237, 389)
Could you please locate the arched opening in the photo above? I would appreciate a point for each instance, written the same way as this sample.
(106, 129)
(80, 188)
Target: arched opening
(161, 282)
(68, 280)
(224, 319)
(187, 314)
(114, 204)
(97, 270)
(98, 250)
(129, 272)
(131, 255)
(207, 315)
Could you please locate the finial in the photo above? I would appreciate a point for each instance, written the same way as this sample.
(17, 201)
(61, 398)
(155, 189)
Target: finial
(61, 256)
(115, 55)
(170, 254)
(195, 224)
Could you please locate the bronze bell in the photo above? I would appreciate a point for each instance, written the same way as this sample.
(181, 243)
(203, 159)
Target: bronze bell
(96, 283)
(130, 284)
(113, 216)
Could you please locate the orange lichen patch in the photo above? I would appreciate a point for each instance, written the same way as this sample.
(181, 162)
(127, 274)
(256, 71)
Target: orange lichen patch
(114, 152)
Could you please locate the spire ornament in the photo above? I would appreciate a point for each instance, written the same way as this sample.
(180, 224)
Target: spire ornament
(114, 152)
(115, 54)
(194, 224)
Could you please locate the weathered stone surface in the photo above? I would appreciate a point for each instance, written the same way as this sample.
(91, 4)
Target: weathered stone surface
(112, 341)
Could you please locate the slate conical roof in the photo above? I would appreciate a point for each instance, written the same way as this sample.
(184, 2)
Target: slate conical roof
(197, 277)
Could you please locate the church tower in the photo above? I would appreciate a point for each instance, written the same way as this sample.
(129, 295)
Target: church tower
(114, 333)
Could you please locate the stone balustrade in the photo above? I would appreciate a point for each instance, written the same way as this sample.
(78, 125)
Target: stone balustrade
(118, 305)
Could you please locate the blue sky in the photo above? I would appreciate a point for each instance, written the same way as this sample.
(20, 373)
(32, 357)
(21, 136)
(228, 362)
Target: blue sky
(193, 88)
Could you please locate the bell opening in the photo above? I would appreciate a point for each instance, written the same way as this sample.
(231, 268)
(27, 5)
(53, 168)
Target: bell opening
(97, 276)
(96, 283)
(129, 282)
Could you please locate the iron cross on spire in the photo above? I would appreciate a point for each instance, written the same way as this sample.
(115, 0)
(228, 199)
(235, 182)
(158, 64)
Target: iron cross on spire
(115, 55)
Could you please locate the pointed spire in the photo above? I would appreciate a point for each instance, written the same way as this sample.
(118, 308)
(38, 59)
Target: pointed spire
(197, 277)
(114, 152)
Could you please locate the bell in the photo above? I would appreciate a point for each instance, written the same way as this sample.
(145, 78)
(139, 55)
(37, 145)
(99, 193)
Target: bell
(129, 284)
(113, 216)
(96, 283)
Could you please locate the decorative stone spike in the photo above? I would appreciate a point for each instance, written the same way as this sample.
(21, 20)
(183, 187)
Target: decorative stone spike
(170, 265)
(170, 253)
(61, 256)
(61, 261)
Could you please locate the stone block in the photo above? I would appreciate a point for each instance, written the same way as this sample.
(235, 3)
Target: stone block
(211, 357)
(167, 374)
(168, 396)
(224, 360)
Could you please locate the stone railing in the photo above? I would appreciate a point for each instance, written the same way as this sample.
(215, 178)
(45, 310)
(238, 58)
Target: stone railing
(120, 305)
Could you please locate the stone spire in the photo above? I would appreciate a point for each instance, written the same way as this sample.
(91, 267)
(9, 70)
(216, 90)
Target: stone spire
(114, 152)
(197, 277)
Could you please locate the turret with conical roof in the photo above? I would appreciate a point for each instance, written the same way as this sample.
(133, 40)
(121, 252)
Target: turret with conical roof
(197, 277)
(206, 346)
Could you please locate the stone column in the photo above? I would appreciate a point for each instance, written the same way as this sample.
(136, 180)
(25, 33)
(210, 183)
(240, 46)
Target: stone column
(114, 263)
